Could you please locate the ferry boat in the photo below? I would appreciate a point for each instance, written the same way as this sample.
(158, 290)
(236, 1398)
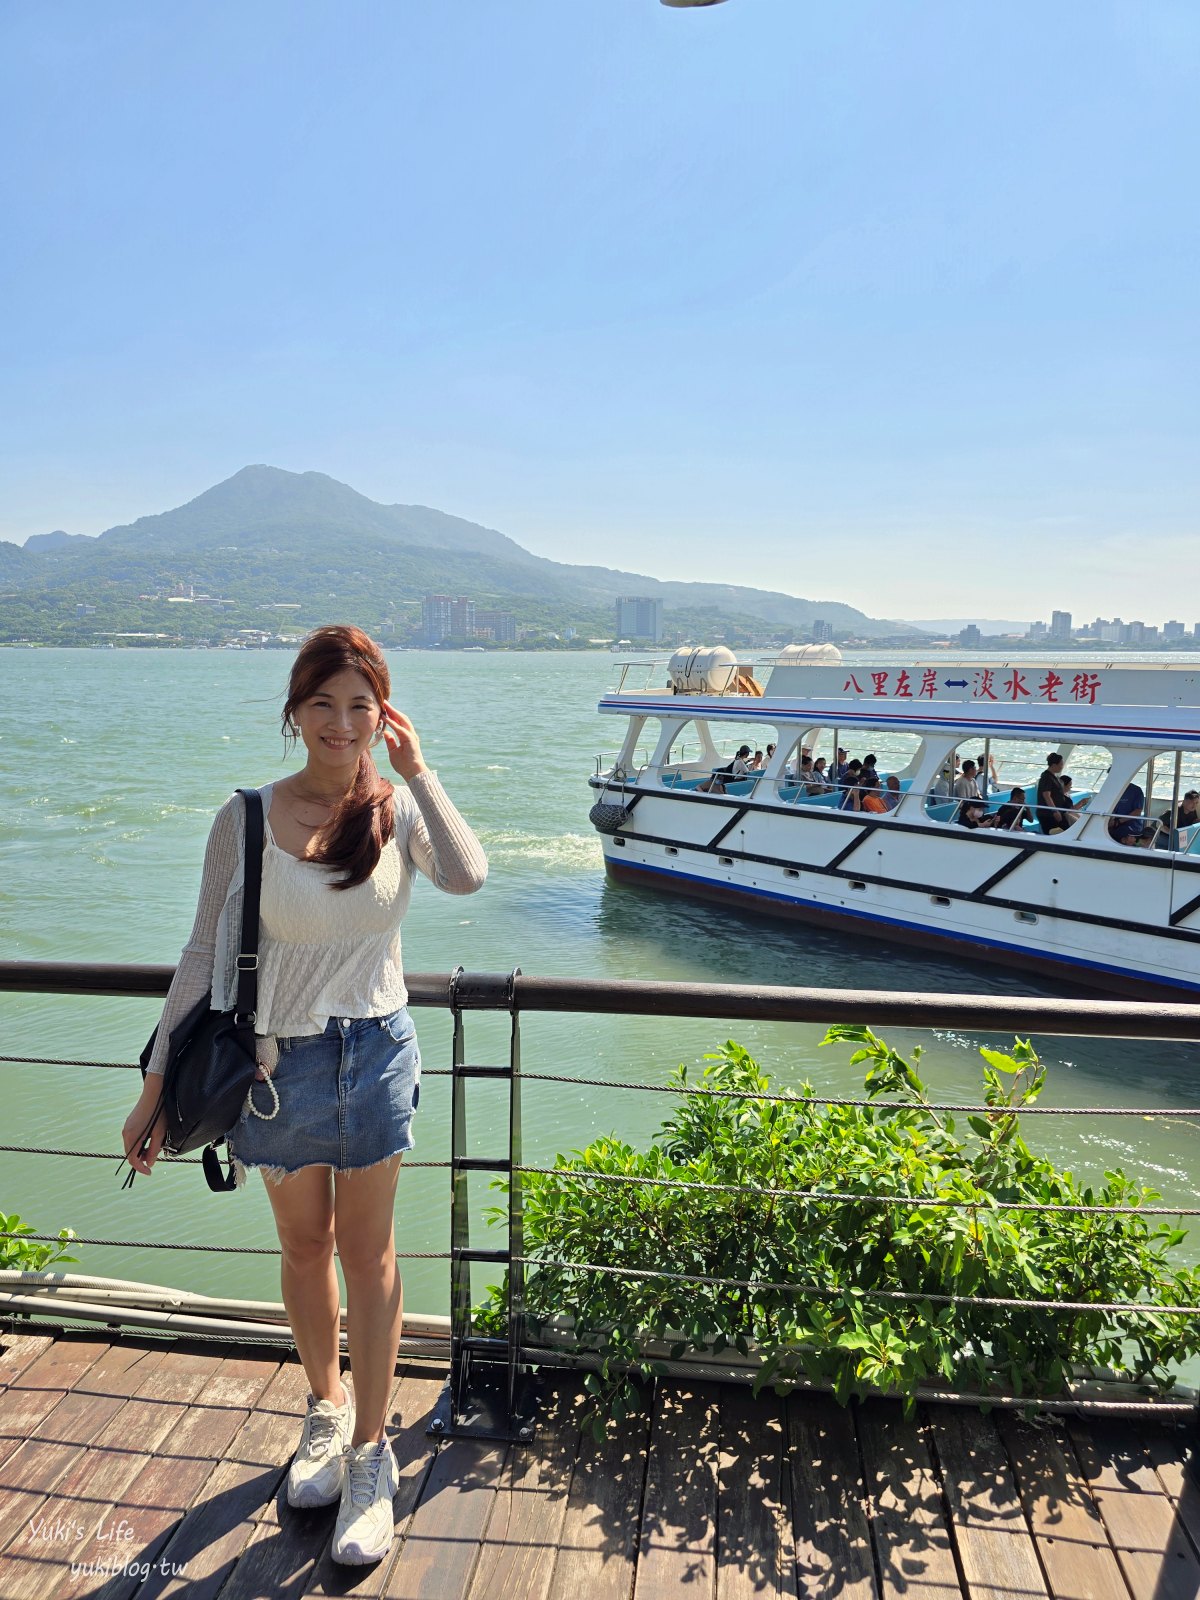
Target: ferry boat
(1112, 899)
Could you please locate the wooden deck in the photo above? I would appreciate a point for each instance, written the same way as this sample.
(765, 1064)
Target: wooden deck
(119, 1454)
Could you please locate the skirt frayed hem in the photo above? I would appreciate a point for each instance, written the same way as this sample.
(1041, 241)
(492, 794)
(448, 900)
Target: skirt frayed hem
(276, 1175)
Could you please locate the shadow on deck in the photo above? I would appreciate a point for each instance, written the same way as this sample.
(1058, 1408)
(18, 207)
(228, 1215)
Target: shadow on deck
(138, 1467)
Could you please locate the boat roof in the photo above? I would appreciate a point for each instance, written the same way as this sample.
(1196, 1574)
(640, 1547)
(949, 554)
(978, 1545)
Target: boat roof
(1107, 701)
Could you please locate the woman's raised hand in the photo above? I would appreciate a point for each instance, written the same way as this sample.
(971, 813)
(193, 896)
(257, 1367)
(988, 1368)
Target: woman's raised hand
(404, 748)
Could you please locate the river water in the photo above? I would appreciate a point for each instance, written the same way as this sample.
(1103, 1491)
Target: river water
(112, 763)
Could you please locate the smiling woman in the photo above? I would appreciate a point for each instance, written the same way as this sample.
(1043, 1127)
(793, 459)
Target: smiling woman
(333, 1034)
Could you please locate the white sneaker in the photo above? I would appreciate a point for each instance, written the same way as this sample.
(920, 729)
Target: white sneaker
(364, 1520)
(316, 1473)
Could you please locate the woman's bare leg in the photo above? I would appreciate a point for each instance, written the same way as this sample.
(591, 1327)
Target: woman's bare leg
(303, 1207)
(364, 1207)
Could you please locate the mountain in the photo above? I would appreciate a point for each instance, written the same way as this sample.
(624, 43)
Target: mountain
(42, 543)
(270, 537)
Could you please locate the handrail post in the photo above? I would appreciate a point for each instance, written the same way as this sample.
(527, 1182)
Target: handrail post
(516, 1395)
(489, 1393)
(460, 1222)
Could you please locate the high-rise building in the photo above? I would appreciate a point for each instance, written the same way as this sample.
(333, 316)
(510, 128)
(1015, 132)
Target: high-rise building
(1037, 630)
(445, 616)
(822, 631)
(502, 623)
(1173, 630)
(1060, 625)
(639, 617)
(969, 635)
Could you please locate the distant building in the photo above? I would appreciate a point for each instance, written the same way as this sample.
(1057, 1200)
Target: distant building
(1110, 632)
(822, 631)
(446, 616)
(639, 617)
(969, 636)
(1060, 626)
(503, 625)
(1133, 633)
(1037, 630)
(1173, 630)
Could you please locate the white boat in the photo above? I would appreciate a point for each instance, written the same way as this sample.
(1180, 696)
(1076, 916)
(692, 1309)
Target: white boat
(1112, 900)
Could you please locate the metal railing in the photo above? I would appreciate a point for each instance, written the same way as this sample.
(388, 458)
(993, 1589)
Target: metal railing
(488, 1390)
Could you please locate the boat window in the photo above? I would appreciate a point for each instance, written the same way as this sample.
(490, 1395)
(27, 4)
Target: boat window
(1159, 807)
(897, 755)
(702, 746)
(1005, 774)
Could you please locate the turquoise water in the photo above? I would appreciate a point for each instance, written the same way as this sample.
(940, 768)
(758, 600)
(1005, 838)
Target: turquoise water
(111, 766)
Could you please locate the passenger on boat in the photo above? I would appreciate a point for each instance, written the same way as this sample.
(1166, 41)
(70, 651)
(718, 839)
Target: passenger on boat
(739, 767)
(770, 751)
(1054, 812)
(973, 814)
(870, 793)
(1014, 813)
(1187, 813)
(820, 783)
(985, 773)
(849, 786)
(869, 763)
(1127, 824)
(1068, 783)
(893, 793)
(840, 766)
(941, 785)
(966, 788)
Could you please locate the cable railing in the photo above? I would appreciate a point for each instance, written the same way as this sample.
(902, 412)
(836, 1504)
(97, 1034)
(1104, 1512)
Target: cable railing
(490, 1371)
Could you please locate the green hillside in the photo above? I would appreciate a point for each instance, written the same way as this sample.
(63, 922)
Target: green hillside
(266, 538)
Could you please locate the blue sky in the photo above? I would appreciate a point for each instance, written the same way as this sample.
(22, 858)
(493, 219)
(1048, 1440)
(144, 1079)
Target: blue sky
(891, 304)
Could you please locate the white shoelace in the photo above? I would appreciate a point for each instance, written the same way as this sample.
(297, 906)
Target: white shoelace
(364, 1476)
(322, 1430)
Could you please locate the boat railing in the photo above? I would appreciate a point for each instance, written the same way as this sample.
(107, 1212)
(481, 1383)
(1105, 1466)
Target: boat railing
(489, 1371)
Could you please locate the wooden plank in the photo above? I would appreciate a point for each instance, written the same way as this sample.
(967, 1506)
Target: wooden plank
(199, 1555)
(995, 1546)
(599, 1533)
(1169, 1448)
(162, 1488)
(34, 1468)
(413, 1403)
(18, 1351)
(438, 1557)
(1068, 1534)
(520, 1542)
(1152, 1547)
(756, 1553)
(677, 1546)
(830, 1528)
(34, 1392)
(94, 1480)
(916, 1558)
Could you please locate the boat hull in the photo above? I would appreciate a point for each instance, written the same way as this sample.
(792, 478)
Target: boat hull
(892, 925)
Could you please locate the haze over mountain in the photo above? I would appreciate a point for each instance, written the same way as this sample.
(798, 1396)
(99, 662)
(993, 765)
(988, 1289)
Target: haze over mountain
(278, 536)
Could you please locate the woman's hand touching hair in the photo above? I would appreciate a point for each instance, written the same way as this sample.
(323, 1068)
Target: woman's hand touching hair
(403, 745)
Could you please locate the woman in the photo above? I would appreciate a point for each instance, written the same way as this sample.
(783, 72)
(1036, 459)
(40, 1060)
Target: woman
(337, 1042)
(870, 793)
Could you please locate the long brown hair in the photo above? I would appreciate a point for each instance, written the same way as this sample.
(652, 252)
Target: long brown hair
(365, 820)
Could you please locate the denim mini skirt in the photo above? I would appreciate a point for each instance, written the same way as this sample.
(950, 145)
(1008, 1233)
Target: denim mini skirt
(346, 1099)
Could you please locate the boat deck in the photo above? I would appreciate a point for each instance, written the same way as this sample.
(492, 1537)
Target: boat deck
(117, 1453)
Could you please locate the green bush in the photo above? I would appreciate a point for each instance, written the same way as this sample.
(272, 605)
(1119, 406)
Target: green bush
(26, 1255)
(848, 1335)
